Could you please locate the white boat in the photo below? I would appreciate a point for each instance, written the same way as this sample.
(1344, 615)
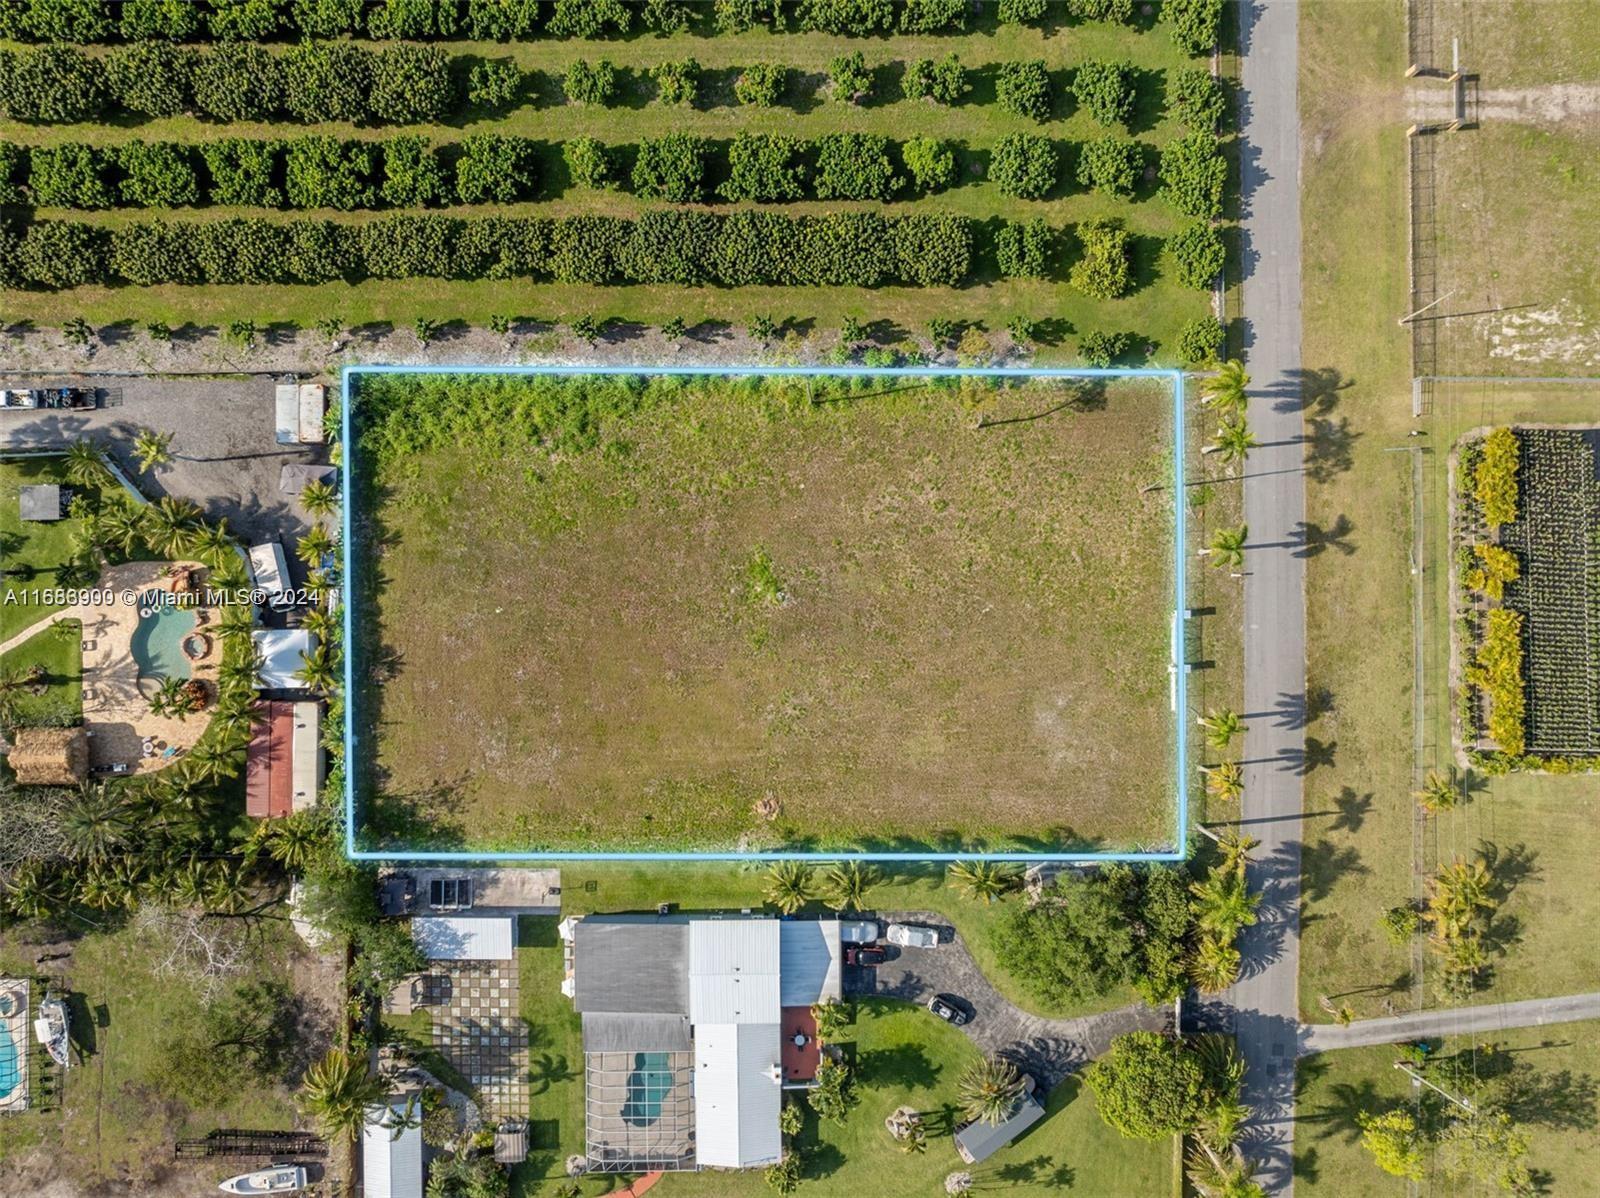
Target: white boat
(53, 1029)
(276, 1179)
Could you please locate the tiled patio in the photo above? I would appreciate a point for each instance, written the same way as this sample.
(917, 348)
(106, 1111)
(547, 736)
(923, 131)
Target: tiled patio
(476, 1028)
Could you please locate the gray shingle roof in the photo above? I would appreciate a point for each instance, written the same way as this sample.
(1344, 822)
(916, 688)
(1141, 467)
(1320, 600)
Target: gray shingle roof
(604, 1031)
(635, 965)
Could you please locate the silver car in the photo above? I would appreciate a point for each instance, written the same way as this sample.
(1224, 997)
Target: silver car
(858, 931)
(912, 935)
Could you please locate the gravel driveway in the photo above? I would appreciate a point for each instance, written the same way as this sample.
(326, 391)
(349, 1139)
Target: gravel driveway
(1049, 1049)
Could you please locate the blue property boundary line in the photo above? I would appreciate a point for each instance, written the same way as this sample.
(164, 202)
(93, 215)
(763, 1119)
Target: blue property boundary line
(1179, 686)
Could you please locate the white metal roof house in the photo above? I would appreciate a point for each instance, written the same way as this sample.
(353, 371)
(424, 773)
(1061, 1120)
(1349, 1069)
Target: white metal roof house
(391, 1166)
(284, 652)
(684, 1057)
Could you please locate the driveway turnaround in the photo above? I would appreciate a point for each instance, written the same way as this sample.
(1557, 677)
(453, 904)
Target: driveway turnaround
(1418, 1025)
(1049, 1049)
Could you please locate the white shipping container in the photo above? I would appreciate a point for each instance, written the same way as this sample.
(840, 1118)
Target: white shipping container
(288, 414)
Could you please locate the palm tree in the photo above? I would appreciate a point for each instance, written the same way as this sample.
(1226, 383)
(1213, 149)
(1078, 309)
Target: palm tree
(35, 893)
(1225, 1174)
(846, 883)
(1233, 440)
(292, 841)
(314, 546)
(1235, 848)
(1224, 903)
(123, 527)
(831, 1018)
(212, 761)
(211, 542)
(96, 822)
(226, 890)
(1457, 893)
(1221, 725)
(319, 499)
(957, 1183)
(1441, 791)
(240, 671)
(186, 884)
(986, 880)
(988, 1089)
(85, 465)
(1224, 392)
(237, 622)
(168, 524)
(1214, 966)
(152, 449)
(1227, 546)
(320, 624)
(337, 1092)
(788, 885)
(1225, 781)
(318, 671)
(168, 699)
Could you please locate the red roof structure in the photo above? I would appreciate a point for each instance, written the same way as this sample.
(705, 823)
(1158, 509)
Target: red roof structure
(801, 1051)
(269, 764)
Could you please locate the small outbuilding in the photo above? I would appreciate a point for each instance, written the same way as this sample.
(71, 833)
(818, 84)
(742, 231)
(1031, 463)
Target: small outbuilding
(463, 938)
(391, 1152)
(40, 502)
(50, 756)
(977, 1142)
(284, 653)
(511, 1142)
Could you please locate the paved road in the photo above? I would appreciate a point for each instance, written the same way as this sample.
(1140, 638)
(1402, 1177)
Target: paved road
(1265, 1001)
(1494, 1017)
(1049, 1049)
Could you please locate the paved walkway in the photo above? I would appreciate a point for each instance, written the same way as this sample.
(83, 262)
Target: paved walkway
(1265, 1001)
(1494, 1017)
(1049, 1049)
(477, 1028)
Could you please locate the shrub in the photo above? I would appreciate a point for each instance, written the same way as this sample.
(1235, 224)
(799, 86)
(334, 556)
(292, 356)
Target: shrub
(590, 83)
(493, 85)
(1194, 23)
(583, 249)
(932, 251)
(1196, 98)
(844, 249)
(157, 175)
(171, 20)
(62, 253)
(319, 251)
(850, 78)
(855, 166)
(1494, 479)
(413, 18)
(931, 164)
(1104, 90)
(859, 18)
(54, 84)
(68, 176)
(1399, 924)
(670, 168)
(1110, 165)
(753, 247)
(588, 18)
(932, 16)
(1193, 174)
(677, 82)
(1149, 1086)
(1101, 10)
(1022, 12)
(1024, 165)
(242, 171)
(1200, 341)
(328, 81)
(668, 246)
(243, 20)
(411, 85)
(151, 78)
(1199, 253)
(764, 167)
(325, 172)
(1496, 670)
(11, 158)
(495, 167)
(413, 176)
(667, 16)
(502, 20)
(239, 83)
(1023, 88)
(406, 247)
(1103, 272)
(739, 16)
(150, 253)
(56, 20)
(328, 18)
(1101, 350)
(760, 84)
(1023, 251)
(589, 162)
(943, 82)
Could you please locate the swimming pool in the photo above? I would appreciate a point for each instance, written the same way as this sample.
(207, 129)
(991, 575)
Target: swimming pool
(648, 1086)
(10, 1063)
(157, 643)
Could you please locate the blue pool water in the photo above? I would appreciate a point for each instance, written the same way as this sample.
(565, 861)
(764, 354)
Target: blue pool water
(10, 1066)
(157, 643)
(648, 1086)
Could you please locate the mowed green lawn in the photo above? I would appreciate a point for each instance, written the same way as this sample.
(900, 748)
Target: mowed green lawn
(1560, 1116)
(895, 626)
(1360, 814)
(1152, 313)
(59, 650)
(904, 1056)
(32, 552)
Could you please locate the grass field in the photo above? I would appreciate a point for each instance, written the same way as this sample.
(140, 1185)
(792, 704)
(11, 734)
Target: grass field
(59, 650)
(1153, 313)
(1560, 1065)
(899, 627)
(904, 1058)
(1361, 839)
(30, 552)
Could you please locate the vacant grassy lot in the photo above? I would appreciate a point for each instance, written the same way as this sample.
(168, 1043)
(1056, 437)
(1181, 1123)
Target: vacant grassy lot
(1152, 313)
(856, 610)
(1362, 840)
(904, 1057)
(1562, 1070)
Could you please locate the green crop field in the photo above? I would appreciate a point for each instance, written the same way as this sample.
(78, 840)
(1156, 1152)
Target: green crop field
(695, 614)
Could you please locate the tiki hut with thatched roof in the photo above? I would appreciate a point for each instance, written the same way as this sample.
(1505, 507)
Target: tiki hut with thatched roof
(50, 756)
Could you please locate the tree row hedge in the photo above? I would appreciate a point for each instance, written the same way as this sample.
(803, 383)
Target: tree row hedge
(674, 246)
(409, 172)
(508, 20)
